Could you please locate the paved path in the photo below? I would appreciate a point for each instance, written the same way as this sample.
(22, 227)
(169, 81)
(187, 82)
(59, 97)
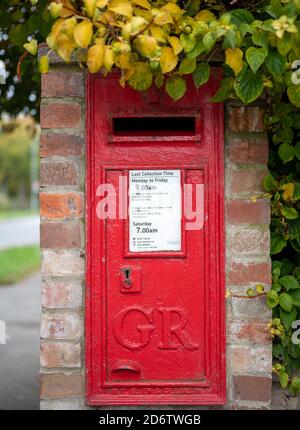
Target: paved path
(19, 358)
(19, 231)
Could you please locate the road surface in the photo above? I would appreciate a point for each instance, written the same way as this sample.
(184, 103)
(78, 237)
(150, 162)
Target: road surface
(19, 231)
(19, 358)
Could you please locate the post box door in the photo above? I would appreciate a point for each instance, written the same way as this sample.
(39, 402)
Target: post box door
(155, 274)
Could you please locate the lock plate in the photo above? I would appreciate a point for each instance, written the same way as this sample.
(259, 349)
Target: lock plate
(130, 280)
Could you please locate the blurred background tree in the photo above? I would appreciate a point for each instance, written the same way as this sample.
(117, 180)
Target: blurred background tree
(20, 21)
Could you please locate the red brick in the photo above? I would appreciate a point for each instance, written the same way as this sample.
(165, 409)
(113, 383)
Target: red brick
(61, 325)
(60, 115)
(249, 150)
(59, 173)
(60, 144)
(61, 234)
(61, 385)
(246, 119)
(250, 331)
(250, 241)
(60, 354)
(248, 212)
(247, 181)
(252, 388)
(62, 263)
(61, 294)
(250, 359)
(61, 205)
(62, 84)
(246, 273)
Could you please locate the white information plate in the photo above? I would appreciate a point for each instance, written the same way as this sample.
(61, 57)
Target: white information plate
(154, 210)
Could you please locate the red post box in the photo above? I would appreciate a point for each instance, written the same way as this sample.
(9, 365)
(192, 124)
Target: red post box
(155, 277)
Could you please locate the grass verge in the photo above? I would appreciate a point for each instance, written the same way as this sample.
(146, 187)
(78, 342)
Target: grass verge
(4, 215)
(16, 263)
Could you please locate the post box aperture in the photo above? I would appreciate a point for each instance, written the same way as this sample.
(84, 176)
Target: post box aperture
(155, 233)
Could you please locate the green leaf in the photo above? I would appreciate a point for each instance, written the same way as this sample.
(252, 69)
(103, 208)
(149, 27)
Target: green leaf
(275, 63)
(248, 86)
(288, 317)
(295, 294)
(293, 93)
(240, 16)
(141, 80)
(269, 183)
(286, 152)
(188, 42)
(289, 213)
(193, 7)
(261, 38)
(289, 282)
(255, 57)
(201, 74)
(187, 66)
(224, 91)
(296, 195)
(277, 243)
(286, 302)
(272, 299)
(18, 34)
(176, 87)
(197, 50)
(297, 150)
(295, 385)
(283, 379)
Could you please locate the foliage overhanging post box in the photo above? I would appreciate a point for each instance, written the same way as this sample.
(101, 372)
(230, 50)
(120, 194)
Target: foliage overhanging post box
(155, 320)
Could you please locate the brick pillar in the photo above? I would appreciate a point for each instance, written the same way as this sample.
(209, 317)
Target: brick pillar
(62, 208)
(249, 350)
(62, 237)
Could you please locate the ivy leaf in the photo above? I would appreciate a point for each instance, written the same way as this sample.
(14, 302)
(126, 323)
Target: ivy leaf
(296, 297)
(255, 57)
(283, 379)
(288, 191)
(249, 86)
(176, 87)
(201, 74)
(275, 64)
(288, 317)
(261, 38)
(187, 66)
(295, 385)
(224, 91)
(240, 16)
(141, 79)
(188, 42)
(168, 60)
(272, 299)
(294, 228)
(289, 213)
(286, 302)
(269, 183)
(286, 152)
(277, 243)
(289, 282)
(234, 59)
(293, 93)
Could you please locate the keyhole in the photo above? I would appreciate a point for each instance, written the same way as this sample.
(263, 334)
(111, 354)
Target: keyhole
(127, 280)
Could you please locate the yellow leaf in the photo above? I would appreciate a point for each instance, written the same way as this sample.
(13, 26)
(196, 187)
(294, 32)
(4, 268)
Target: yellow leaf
(31, 47)
(67, 10)
(56, 28)
(55, 9)
(108, 58)
(157, 32)
(163, 17)
(288, 191)
(205, 16)
(176, 44)
(65, 47)
(141, 78)
(68, 26)
(168, 60)
(44, 64)
(89, 7)
(173, 9)
(83, 33)
(123, 61)
(95, 57)
(142, 3)
(146, 45)
(121, 7)
(102, 3)
(125, 75)
(234, 59)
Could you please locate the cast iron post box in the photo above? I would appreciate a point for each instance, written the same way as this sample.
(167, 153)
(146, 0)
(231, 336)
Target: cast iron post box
(155, 235)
